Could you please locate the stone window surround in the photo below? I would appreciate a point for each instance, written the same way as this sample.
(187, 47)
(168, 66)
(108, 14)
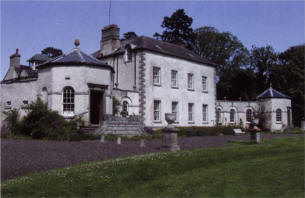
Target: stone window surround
(206, 120)
(190, 113)
(234, 114)
(159, 111)
(247, 115)
(278, 116)
(174, 80)
(206, 84)
(156, 75)
(177, 111)
(190, 81)
(128, 54)
(72, 95)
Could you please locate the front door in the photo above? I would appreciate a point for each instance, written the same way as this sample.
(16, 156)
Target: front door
(96, 106)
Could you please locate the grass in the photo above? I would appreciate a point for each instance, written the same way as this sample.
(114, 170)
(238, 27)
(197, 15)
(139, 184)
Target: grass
(272, 169)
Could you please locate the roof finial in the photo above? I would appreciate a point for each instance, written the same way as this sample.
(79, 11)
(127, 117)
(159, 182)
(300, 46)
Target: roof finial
(76, 43)
(17, 50)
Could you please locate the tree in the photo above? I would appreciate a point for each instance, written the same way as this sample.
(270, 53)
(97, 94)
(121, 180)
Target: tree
(130, 35)
(288, 77)
(51, 52)
(222, 48)
(236, 83)
(262, 61)
(177, 29)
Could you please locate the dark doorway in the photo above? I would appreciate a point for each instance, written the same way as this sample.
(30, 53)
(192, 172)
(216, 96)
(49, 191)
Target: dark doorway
(96, 106)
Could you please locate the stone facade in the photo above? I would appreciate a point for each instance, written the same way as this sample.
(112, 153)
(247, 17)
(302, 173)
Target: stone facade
(269, 106)
(148, 77)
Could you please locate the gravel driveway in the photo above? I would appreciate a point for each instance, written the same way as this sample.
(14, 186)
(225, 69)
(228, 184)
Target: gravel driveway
(19, 157)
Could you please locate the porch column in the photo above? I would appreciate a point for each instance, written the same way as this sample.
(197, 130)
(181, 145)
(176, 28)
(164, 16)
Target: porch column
(108, 102)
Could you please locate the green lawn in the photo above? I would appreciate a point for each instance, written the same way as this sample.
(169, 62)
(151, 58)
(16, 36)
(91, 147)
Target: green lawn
(272, 169)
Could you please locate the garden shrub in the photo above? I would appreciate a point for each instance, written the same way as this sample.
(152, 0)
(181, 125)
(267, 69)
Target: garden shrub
(12, 121)
(42, 123)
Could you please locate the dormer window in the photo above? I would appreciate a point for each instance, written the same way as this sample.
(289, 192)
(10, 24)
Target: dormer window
(128, 54)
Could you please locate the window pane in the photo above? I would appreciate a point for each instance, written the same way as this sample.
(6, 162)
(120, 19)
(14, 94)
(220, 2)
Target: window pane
(68, 100)
(204, 113)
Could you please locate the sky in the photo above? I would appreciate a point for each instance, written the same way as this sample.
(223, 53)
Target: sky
(32, 26)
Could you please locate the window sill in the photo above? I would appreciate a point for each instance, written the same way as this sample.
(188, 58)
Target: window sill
(191, 89)
(278, 122)
(191, 122)
(7, 107)
(157, 122)
(204, 91)
(175, 87)
(68, 115)
(157, 85)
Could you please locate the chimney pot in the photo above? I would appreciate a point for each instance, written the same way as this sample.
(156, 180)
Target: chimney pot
(110, 39)
(15, 59)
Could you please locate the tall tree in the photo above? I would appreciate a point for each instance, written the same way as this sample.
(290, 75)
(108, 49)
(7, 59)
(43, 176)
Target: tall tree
(288, 77)
(262, 61)
(236, 83)
(178, 29)
(222, 48)
(51, 52)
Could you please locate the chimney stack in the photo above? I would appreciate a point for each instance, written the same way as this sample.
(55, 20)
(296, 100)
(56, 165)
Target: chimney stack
(110, 39)
(15, 59)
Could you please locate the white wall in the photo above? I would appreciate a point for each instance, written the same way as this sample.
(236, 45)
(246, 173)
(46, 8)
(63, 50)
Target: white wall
(182, 95)
(240, 108)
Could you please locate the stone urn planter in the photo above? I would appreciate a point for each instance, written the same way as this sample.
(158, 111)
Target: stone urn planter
(170, 136)
(255, 136)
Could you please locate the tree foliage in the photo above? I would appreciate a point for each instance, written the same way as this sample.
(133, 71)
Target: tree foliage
(262, 61)
(52, 52)
(177, 29)
(222, 48)
(240, 72)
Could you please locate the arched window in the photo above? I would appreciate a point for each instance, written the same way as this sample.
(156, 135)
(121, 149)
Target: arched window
(232, 115)
(249, 115)
(218, 115)
(125, 106)
(278, 115)
(68, 100)
(128, 54)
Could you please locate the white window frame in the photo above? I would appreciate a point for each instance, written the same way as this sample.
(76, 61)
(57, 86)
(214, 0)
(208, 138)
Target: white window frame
(190, 111)
(176, 110)
(157, 111)
(190, 81)
(234, 112)
(174, 78)
(157, 76)
(68, 111)
(247, 115)
(205, 115)
(204, 83)
(278, 115)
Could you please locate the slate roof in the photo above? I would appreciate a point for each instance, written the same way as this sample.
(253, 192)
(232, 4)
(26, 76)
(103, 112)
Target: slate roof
(29, 71)
(39, 58)
(144, 42)
(271, 93)
(75, 57)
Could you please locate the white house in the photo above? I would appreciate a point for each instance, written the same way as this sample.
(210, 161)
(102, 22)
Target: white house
(149, 78)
